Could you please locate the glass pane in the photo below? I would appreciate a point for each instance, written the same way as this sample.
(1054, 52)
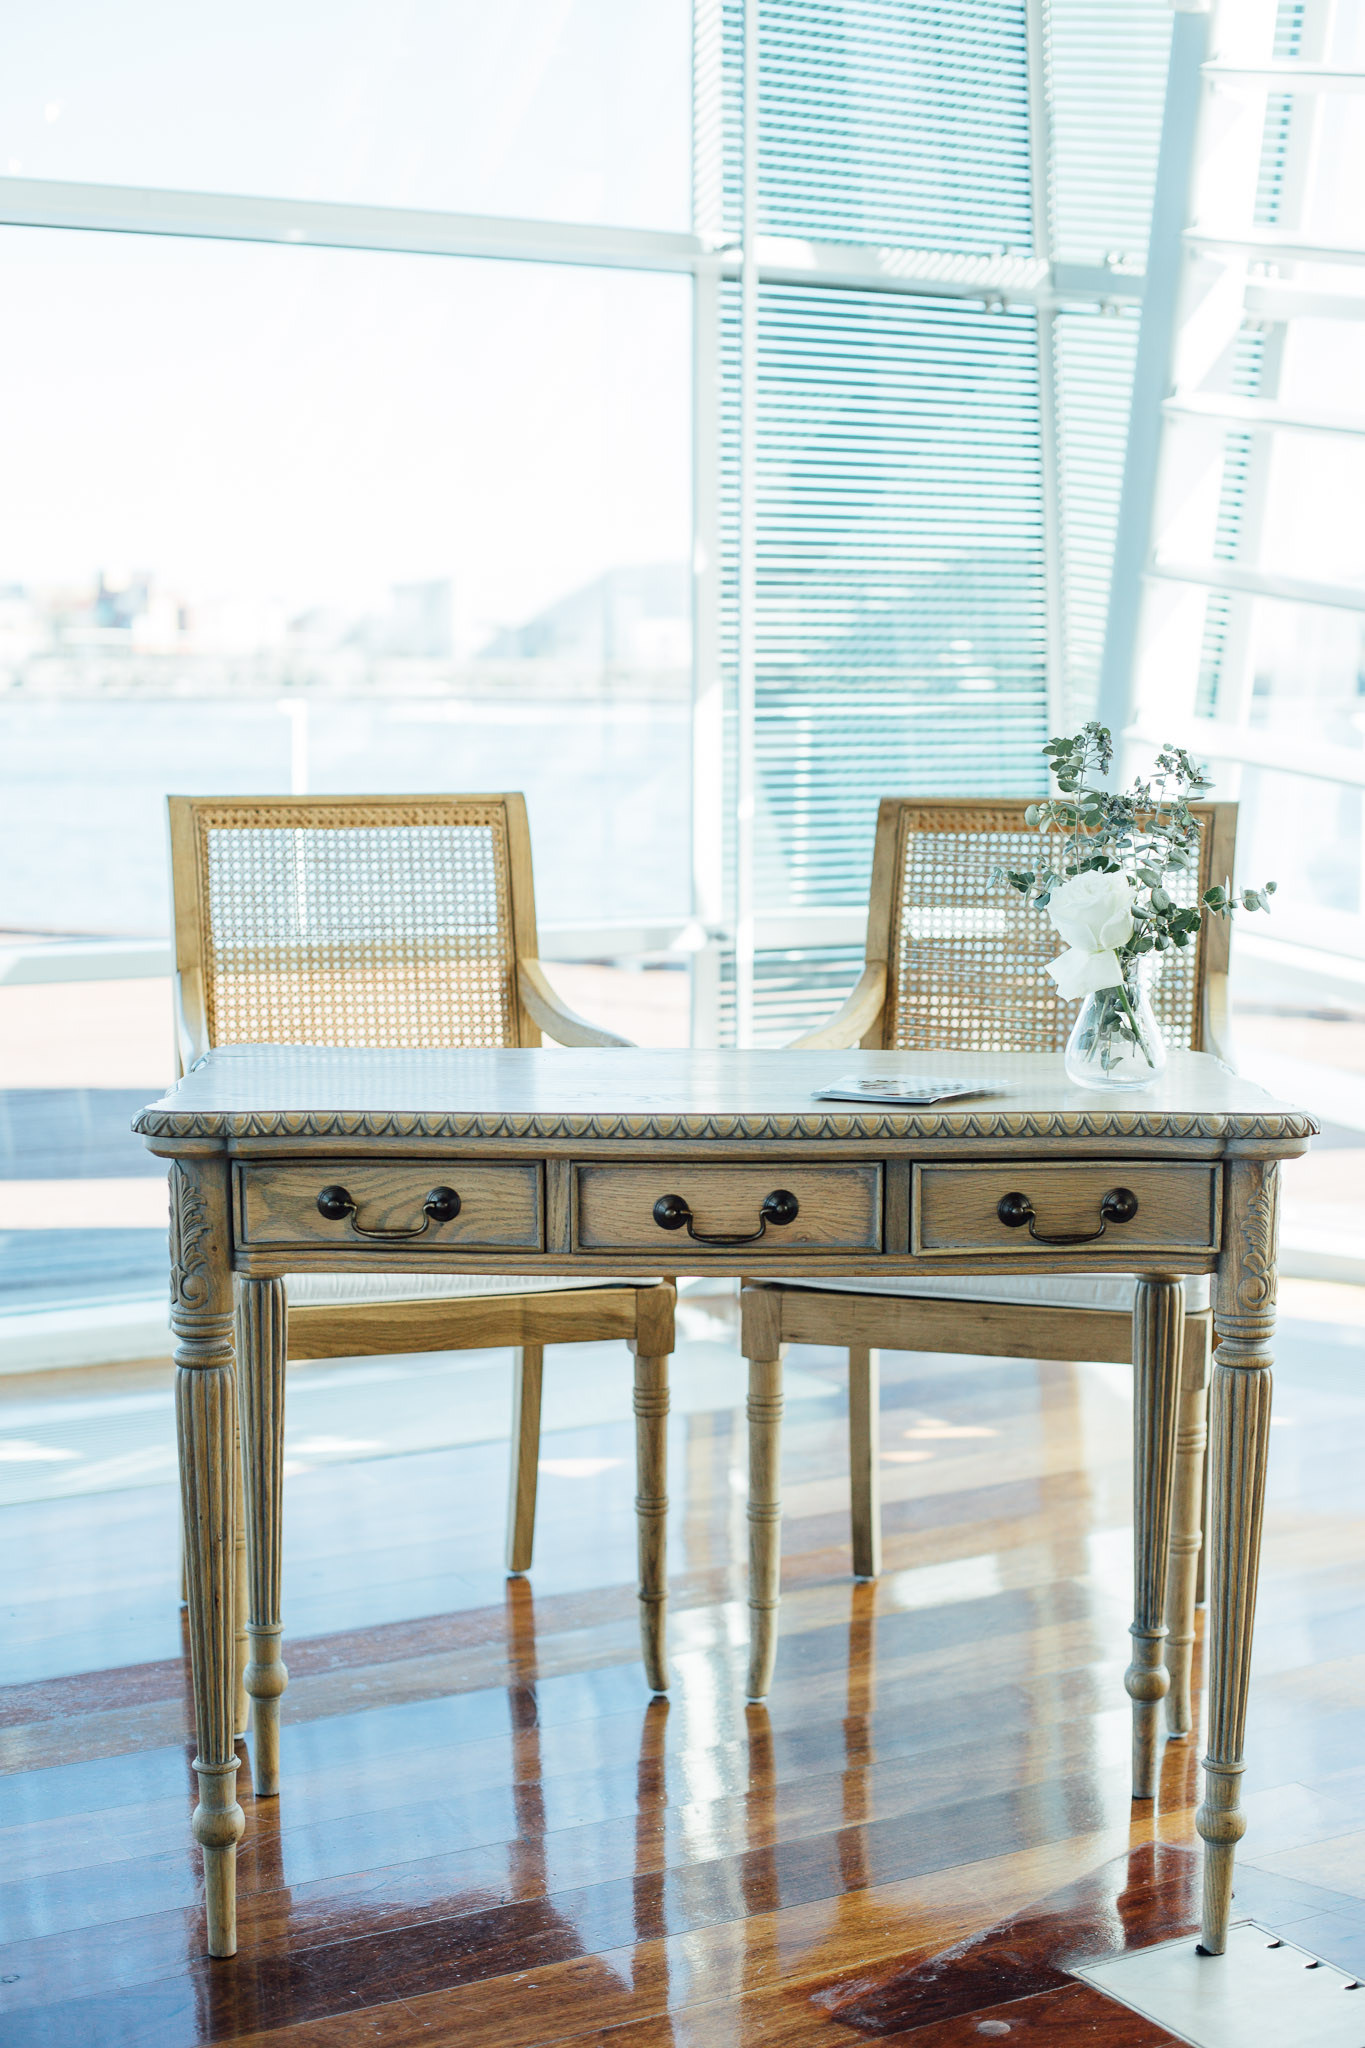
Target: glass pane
(561, 109)
(436, 513)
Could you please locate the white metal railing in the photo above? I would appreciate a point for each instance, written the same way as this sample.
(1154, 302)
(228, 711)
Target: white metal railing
(56, 960)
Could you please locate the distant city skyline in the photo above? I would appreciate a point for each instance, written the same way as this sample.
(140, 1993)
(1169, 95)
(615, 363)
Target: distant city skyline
(636, 616)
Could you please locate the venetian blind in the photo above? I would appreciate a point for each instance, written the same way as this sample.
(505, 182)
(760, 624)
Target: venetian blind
(899, 617)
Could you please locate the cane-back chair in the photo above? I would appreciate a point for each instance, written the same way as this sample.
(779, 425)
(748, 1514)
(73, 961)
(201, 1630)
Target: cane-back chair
(388, 921)
(956, 965)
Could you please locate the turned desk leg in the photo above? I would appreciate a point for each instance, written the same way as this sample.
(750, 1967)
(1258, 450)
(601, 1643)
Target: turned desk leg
(1187, 1507)
(206, 1428)
(761, 1310)
(1158, 1338)
(1239, 1415)
(262, 1345)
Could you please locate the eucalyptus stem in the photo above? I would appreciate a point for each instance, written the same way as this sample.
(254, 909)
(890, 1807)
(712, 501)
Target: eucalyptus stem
(1132, 1018)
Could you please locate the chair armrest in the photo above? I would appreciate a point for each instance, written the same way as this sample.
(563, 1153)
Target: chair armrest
(541, 1003)
(1217, 1032)
(853, 1022)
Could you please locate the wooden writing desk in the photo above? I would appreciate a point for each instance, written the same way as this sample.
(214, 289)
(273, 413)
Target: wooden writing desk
(289, 1160)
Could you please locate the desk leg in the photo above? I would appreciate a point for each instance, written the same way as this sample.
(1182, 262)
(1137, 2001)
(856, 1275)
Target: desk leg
(1239, 1412)
(761, 1309)
(206, 1426)
(261, 1351)
(1158, 1341)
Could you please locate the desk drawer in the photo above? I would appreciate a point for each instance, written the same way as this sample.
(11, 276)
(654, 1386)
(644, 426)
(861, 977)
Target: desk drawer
(836, 1206)
(956, 1208)
(499, 1206)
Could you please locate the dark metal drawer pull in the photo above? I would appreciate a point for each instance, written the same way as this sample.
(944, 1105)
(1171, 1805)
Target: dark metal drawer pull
(671, 1213)
(1120, 1205)
(442, 1205)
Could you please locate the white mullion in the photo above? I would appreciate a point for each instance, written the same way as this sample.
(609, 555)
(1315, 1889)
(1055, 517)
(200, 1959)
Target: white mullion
(747, 579)
(1040, 194)
(1130, 621)
(708, 683)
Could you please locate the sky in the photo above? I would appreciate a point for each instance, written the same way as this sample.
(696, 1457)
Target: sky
(315, 425)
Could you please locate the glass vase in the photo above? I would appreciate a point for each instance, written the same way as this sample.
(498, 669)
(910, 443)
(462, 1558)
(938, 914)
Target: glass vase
(1116, 1042)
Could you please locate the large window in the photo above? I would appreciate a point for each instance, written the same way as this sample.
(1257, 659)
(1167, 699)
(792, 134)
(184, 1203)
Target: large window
(350, 520)
(383, 412)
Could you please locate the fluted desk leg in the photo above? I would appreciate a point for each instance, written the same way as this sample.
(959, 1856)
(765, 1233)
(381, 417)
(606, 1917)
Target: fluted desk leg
(1239, 1415)
(206, 1427)
(262, 1349)
(1158, 1342)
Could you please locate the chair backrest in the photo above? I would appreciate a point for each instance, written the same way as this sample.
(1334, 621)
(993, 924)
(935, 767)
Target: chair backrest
(351, 920)
(965, 961)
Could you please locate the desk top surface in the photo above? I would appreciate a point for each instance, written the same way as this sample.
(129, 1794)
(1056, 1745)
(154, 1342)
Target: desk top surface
(246, 1091)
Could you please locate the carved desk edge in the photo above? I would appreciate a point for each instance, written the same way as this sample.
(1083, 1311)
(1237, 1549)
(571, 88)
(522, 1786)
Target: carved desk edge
(1287, 1130)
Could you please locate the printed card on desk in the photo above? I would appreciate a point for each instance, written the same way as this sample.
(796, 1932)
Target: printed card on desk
(909, 1091)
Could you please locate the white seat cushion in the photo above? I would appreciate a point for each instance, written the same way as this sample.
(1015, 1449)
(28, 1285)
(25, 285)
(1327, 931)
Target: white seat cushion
(1048, 1290)
(318, 1290)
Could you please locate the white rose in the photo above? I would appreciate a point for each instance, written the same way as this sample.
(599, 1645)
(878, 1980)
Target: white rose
(1094, 912)
(1080, 974)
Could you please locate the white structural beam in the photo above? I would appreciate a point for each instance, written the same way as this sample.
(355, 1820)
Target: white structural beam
(779, 259)
(1274, 245)
(1257, 413)
(1252, 582)
(1152, 371)
(217, 216)
(1215, 739)
(1288, 76)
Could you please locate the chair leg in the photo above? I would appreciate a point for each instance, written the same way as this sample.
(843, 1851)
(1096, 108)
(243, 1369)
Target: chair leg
(1191, 1447)
(240, 1595)
(1158, 1341)
(864, 1461)
(651, 1513)
(528, 1373)
(1200, 1575)
(262, 1347)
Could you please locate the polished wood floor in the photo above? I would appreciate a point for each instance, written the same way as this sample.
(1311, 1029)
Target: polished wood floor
(489, 1836)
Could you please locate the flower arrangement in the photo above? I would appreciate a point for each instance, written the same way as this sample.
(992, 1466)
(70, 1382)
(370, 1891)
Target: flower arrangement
(1107, 862)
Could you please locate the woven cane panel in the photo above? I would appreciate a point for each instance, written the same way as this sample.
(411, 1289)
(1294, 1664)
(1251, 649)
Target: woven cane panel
(322, 930)
(968, 961)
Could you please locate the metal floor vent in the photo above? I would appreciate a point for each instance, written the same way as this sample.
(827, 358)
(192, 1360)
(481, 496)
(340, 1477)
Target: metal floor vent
(1263, 1993)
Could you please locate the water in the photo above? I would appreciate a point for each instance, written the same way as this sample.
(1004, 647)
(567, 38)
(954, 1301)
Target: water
(83, 783)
